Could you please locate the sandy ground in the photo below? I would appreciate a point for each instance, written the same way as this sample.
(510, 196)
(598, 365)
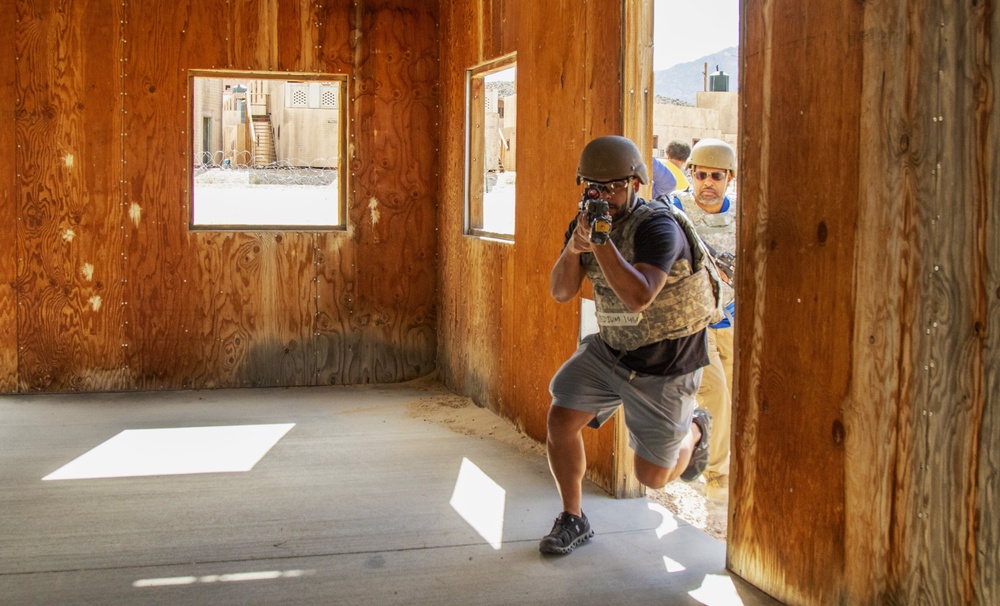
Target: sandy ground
(300, 197)
(498, 203)
(702, 508)
(460, 414)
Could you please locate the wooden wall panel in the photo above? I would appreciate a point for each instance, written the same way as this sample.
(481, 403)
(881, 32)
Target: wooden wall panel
(393, 173)
(552, 101)
(872, 415)
(903, 263)
(921, 532)
(985, 531)
(798, 226)
(947, 73)
(638, 86)
(70, 272)
(172, 338)
(184, 309)
(11, 107)
(471, 271)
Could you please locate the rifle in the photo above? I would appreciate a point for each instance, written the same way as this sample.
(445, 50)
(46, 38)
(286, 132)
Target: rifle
(725, 261)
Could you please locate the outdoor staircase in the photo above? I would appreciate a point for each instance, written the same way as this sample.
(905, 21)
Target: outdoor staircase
(264, 153)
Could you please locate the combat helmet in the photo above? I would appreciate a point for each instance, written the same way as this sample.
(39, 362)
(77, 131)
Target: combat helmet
(713, 153)
(611, 158)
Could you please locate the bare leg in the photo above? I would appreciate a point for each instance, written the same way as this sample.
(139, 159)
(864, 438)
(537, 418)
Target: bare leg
(567, 458)
(654, 476)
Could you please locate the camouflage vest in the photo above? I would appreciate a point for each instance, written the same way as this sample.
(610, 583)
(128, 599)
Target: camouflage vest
(718, 230)
(688, 302)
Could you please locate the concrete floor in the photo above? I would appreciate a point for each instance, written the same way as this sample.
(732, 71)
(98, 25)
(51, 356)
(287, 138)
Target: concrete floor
(360, 502)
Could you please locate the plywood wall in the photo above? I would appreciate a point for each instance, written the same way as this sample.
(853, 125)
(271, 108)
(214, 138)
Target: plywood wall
(8, 205)
(103, 285)
(866, 425)
(502, 336)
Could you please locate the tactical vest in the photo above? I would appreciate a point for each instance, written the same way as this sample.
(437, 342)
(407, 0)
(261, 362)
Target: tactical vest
(718, 230)
(688, 302)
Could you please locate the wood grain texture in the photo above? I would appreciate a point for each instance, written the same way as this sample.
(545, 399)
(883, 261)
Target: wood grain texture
(557, 99)
(949, 359)
(185, 309)
(888, 147)
(70, 275)
(393, 167)
(471, 270)
(170, 298)
(551, 105)
(797, 245)
(985, 500)
(638, 92)
(916, 424)
(9, 98)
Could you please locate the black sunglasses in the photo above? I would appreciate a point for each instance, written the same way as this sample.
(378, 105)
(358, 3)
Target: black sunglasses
(702, 175)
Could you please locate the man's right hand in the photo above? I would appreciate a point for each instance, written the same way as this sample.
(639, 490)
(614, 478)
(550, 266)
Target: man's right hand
(580, 242)
(567, 274)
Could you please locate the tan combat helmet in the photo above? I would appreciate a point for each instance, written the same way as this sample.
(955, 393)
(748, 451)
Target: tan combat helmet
(611, 158)
(713, 153)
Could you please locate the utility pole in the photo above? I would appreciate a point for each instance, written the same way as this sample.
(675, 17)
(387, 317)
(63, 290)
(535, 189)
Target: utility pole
(704, 73)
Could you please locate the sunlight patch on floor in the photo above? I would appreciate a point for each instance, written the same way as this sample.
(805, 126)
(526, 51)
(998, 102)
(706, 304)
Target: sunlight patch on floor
(669, 523)
(175, 451)
(237, 577)
(480, 501)
(717, 590)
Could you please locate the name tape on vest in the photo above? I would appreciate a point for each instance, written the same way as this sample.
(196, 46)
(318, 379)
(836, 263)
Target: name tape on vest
(619, 319)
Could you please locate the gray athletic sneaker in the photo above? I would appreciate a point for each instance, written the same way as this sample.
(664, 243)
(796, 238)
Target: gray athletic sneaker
(699, 458)
(568, 532)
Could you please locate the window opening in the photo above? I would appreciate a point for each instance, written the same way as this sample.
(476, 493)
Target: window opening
(266, 150)
(491, 147)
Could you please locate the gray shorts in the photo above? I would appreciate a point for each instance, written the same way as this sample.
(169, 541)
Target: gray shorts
(657, 409)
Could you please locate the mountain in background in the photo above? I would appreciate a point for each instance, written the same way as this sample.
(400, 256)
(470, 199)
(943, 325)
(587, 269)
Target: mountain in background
(683, 81)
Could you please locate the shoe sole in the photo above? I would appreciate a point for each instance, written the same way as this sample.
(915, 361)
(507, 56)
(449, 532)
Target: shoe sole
(554, 549)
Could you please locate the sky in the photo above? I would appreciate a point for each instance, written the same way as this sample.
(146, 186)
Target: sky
(681, 29)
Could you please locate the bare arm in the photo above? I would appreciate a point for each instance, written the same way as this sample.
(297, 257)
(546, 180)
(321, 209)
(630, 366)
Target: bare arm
(638, 285)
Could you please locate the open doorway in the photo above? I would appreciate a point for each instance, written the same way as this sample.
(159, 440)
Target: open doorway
(696, 77)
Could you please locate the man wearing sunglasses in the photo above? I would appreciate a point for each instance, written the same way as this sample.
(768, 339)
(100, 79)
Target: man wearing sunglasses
(713, 167)
(654, 298)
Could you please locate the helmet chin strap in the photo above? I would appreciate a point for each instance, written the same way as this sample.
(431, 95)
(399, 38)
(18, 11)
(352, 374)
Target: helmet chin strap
(631, 201)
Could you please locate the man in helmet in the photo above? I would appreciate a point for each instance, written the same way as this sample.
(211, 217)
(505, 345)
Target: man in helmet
(713, 167)
(669, 176)
(654, 299)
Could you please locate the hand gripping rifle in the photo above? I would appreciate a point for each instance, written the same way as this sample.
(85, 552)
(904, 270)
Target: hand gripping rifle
(725, 261)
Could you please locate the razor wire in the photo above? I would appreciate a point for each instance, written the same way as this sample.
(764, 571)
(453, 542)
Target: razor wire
(238, 169)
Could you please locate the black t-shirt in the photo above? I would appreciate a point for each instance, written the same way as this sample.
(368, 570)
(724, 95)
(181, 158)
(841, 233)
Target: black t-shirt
(660, 241)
